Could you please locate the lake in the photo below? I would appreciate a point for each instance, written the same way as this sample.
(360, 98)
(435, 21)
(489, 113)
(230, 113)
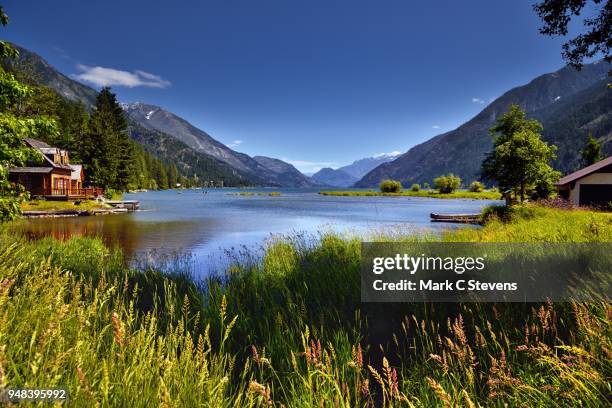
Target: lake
(215, 226)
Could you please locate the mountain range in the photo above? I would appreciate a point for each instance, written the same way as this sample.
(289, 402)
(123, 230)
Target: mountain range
(348, 175)
(160, 120)
(569, 103)
(173, 139)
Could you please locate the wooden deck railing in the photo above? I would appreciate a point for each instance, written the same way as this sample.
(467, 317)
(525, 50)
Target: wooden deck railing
(86, 192)
(74, 192)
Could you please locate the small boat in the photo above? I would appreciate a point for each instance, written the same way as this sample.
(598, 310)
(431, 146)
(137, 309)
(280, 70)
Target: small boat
(458, 218)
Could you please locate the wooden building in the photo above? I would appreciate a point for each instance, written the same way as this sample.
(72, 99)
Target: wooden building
(591, 186)
(52, 177)
(77, 177)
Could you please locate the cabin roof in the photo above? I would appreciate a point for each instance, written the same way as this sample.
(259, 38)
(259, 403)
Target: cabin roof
(30, 169)
(45, 149)
(42, 146)
(57, 165)
(38, 144)
(585, 172)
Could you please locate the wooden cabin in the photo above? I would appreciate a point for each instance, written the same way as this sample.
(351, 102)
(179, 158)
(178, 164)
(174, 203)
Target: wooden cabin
(591, 186)
(53, 176)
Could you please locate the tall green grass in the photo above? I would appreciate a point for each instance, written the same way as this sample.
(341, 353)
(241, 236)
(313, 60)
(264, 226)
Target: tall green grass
(291, 331)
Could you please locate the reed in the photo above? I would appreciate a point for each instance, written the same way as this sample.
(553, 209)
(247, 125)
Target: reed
(291, 330)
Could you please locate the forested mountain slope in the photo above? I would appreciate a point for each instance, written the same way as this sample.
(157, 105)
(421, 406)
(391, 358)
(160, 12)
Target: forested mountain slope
(569, 103)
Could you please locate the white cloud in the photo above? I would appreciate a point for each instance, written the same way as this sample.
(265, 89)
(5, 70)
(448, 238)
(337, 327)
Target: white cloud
(102, 76)
(478, 100)
(306, 166)
(235, 143)
(435, 127)
(390, 154)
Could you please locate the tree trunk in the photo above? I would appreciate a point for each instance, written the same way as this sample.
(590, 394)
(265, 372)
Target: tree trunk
(522, 192)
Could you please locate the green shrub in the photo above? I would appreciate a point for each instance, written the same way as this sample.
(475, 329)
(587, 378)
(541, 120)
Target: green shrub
(390, 186)
(545, 186)
(476, 187)
(415, 187)
(446, 184)
(509, 214)
(112, 194)
(426, 186)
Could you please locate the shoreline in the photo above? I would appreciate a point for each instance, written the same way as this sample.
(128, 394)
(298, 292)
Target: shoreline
(72, 213)
(485, 195)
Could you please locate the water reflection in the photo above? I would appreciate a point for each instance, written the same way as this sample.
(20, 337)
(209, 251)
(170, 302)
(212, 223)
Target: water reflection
(207, 225)
(123, 231)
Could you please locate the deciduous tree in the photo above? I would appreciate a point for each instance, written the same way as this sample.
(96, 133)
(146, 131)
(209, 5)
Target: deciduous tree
(13, 129)
(520, 160)
(557, 15)
(448, 183)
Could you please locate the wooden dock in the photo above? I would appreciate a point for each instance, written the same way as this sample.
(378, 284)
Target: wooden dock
(456, 218)
(72, 212)
(130, 205)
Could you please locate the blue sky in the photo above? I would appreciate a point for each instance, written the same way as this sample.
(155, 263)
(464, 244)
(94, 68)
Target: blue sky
(317, 83)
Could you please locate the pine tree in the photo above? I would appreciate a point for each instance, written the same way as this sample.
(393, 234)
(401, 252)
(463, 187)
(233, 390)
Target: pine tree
(126, 170)
(161, 175)
(107, 151)
(592, 152)
(173, 176)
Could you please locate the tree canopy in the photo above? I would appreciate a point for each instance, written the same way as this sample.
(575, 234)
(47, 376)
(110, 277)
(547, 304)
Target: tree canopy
(557, 15)
(520, 160)
(15, 125)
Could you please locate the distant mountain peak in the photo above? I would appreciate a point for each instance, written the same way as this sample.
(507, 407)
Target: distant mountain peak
(348, 175)
(286, 172)
(389, 155)
(146, 110)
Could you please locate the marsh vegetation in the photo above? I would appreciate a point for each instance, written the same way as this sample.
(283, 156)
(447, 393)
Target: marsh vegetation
(291, 330)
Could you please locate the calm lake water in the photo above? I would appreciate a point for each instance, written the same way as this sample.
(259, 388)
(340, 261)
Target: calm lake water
(216, 226)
